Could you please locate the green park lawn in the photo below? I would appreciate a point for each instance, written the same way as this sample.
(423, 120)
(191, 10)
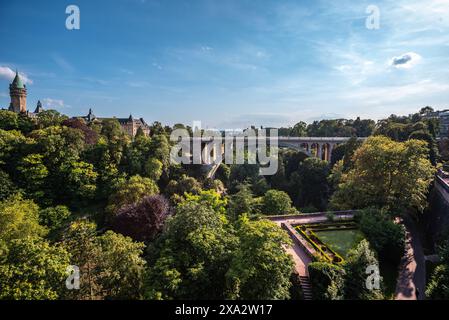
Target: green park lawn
(341, 241)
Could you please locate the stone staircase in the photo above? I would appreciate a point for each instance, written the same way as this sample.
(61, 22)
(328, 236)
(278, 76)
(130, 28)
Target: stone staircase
(306, 287)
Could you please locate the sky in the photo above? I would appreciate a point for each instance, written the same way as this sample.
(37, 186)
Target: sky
(228, 63)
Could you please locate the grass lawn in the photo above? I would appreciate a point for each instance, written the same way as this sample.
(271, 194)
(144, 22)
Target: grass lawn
(341, 241)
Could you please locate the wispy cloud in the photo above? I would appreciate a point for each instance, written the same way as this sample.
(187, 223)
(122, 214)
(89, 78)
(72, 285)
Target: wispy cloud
(157, 65)
(63, 63)
(8, 74)
(386, 94)
(49, 103)
(206, 48)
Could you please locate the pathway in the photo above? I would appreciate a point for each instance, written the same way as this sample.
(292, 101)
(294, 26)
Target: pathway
(412, 273)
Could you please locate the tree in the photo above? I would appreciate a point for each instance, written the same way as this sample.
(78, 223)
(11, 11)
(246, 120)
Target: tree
(260, 268)
(13, 147)
(144, 220)
(359, 259)
(9, 120)
(131, 191)
(122, 267)
(32, 269)
(327, 281)
(80, 240)
(136, 154)
(153, 169)
(33, 173)
(277, 202)
(81, 181)
(191, 258)
(210, 198)
(386, 174)
(184, 184)
(160, 149)
(19, 219)
(241, 202)
(116, 139)
(310, 185)
(109, 176)
(438, 286)
(299, 130)
(90, 136)
(50, 118)
(111, 265)
(54, 217)
(7, 187)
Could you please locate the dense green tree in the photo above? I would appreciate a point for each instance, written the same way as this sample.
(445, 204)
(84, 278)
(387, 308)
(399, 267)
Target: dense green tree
(54, 217)
(50, 118)
(14, 121)
(386, 174)
(243, 173)
(32, 269)
(9, 120)
(160, 149)
(13, 147)
(438, 286)
(359, 259)
(122, 267)
(111, 265)
(276, 202)
(7, 187)
(33, 173)
(311, 183)
(81, 179)
(116, 139)
(191, 258)
(19, 218)
(327, 281)
(385, 236)
(184, 184)
(153, 169)
(260, 268)
(241, 203)
(299, 130)
(131, 191)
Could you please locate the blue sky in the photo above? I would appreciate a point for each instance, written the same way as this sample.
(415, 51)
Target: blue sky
(228, 63)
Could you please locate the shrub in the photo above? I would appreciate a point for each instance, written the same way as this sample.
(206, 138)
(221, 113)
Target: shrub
(327, 281)
(385, 237)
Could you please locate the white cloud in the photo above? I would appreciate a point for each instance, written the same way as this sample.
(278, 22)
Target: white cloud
(49, 103)
(405, 61)
(9, 74)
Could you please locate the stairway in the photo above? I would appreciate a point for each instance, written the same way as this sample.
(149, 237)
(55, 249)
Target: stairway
(306, 287)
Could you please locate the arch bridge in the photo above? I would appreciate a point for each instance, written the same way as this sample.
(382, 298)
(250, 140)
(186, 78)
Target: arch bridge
(318, 147)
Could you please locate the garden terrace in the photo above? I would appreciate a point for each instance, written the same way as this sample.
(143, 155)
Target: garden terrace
(303, 251)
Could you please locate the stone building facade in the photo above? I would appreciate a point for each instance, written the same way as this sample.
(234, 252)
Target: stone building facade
(130, 125)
